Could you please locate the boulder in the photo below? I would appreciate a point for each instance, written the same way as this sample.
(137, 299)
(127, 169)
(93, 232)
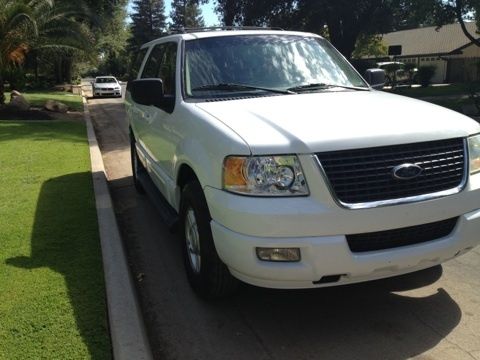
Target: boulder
(18, 102)
(56, 106)
(14, 94)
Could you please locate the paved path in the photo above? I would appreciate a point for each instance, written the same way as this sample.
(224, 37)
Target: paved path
(433, 315)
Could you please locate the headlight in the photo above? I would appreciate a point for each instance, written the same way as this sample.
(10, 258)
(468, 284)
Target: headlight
(474, 153)
(264, 175)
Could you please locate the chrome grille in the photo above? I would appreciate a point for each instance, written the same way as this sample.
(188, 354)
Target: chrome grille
(366, 175)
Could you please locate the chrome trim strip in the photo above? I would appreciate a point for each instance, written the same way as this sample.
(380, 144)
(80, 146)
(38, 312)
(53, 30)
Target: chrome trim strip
(406, 200)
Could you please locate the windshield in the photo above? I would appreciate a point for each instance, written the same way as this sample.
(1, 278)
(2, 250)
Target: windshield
(105, 80)
(278, 62)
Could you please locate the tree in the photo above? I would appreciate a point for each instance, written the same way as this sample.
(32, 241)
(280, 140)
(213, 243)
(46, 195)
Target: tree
(148, 22)
(16, 29)
(186, 13)
(112, 41)
(27, 25)
(446, 12)
(369, 45)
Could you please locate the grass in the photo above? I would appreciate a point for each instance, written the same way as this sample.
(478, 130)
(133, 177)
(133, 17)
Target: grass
(450, 96)
(431, 91)
(38, 98)
(52, 303)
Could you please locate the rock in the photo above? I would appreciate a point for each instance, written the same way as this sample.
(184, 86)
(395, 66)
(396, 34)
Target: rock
(14, 94)
(56, 106)
(18, 102)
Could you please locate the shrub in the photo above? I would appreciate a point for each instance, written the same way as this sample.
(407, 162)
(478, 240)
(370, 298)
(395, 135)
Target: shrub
(425, 74)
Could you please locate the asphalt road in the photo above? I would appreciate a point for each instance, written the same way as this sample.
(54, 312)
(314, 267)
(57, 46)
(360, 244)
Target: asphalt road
(430, 315)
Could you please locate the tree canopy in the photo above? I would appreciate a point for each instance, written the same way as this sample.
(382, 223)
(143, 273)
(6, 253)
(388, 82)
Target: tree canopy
(346, 22)
(148, 22)
(186, 13)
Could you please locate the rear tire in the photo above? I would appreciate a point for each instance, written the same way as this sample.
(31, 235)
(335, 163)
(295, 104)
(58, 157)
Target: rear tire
(137, 167)
(206, 273)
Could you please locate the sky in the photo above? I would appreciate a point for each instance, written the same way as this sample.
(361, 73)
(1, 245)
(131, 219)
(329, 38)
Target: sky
(208, 13)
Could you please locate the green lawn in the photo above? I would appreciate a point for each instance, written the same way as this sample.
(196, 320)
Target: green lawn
(52, 294)
(38, 98)
(419, 92)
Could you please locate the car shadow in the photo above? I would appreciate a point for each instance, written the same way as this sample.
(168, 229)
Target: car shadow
(395, 318)
(374, 320)
(65, 239)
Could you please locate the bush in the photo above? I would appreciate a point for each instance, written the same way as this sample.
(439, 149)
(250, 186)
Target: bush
(16, 78)
(425, 74)
(362, 65)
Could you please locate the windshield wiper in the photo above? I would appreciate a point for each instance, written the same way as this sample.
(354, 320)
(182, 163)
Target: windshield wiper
(323, 86)
(236, 87)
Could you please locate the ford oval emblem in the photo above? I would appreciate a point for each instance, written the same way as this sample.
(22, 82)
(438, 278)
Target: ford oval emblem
(406, 171)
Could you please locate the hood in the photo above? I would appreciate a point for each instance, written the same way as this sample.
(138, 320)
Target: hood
(328, 121)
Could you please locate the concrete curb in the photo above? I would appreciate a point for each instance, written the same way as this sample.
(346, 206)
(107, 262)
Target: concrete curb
(127, 330)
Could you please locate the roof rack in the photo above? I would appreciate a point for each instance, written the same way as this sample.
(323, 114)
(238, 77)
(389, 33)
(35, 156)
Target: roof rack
(184, 30)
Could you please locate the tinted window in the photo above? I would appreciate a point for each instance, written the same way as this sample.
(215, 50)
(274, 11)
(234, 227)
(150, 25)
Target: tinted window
(105, 80)
(135, 69)
(161, 64)
(153, 63)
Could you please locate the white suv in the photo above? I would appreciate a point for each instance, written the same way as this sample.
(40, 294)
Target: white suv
(283, 169)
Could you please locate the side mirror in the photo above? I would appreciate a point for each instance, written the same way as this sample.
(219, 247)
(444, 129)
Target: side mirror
(147, 91)
(376, 78)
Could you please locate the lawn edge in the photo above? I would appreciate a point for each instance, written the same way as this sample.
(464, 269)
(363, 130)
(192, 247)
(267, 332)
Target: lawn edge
(127, 329)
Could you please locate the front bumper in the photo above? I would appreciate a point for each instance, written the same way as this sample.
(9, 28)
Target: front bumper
(318, 225)
(330, 256)
(107, 92)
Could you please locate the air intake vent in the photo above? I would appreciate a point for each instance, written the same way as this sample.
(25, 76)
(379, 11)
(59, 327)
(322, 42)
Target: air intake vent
(389, 239)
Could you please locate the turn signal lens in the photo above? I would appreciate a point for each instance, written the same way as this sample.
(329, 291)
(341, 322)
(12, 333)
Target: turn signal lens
(264, 176)
(474, 154)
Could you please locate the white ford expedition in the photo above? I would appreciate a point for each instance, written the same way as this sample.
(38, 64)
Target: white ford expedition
(287, 170)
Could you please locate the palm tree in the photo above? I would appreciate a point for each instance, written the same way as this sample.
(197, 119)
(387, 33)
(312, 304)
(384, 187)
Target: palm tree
(17, 28)
(27, 25)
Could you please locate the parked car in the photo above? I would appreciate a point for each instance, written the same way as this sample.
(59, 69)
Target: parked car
(275, 157)
(398, 73)
(106, 86)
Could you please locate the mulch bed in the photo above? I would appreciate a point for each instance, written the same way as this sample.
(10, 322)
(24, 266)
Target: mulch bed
(32, 114)
(38, 114)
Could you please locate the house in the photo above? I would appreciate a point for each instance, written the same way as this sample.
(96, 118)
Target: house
(447, 48)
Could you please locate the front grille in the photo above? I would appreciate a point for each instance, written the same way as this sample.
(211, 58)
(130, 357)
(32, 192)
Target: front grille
(365, 175)
(389, 239)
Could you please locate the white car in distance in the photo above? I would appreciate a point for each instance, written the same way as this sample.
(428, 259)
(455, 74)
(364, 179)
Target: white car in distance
(106, 86)
(285, 172)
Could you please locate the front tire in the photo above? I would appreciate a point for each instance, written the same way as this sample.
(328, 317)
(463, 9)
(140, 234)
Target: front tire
(206, 273)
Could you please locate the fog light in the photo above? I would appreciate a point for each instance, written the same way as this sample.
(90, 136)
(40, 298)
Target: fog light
(279, 254)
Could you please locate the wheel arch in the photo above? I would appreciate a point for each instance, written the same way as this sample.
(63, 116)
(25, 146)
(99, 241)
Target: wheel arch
(185, 175)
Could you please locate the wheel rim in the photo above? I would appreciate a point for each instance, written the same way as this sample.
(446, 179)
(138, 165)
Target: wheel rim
(192, 239)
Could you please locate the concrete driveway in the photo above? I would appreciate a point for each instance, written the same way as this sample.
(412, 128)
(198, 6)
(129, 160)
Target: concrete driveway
(430, 315)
